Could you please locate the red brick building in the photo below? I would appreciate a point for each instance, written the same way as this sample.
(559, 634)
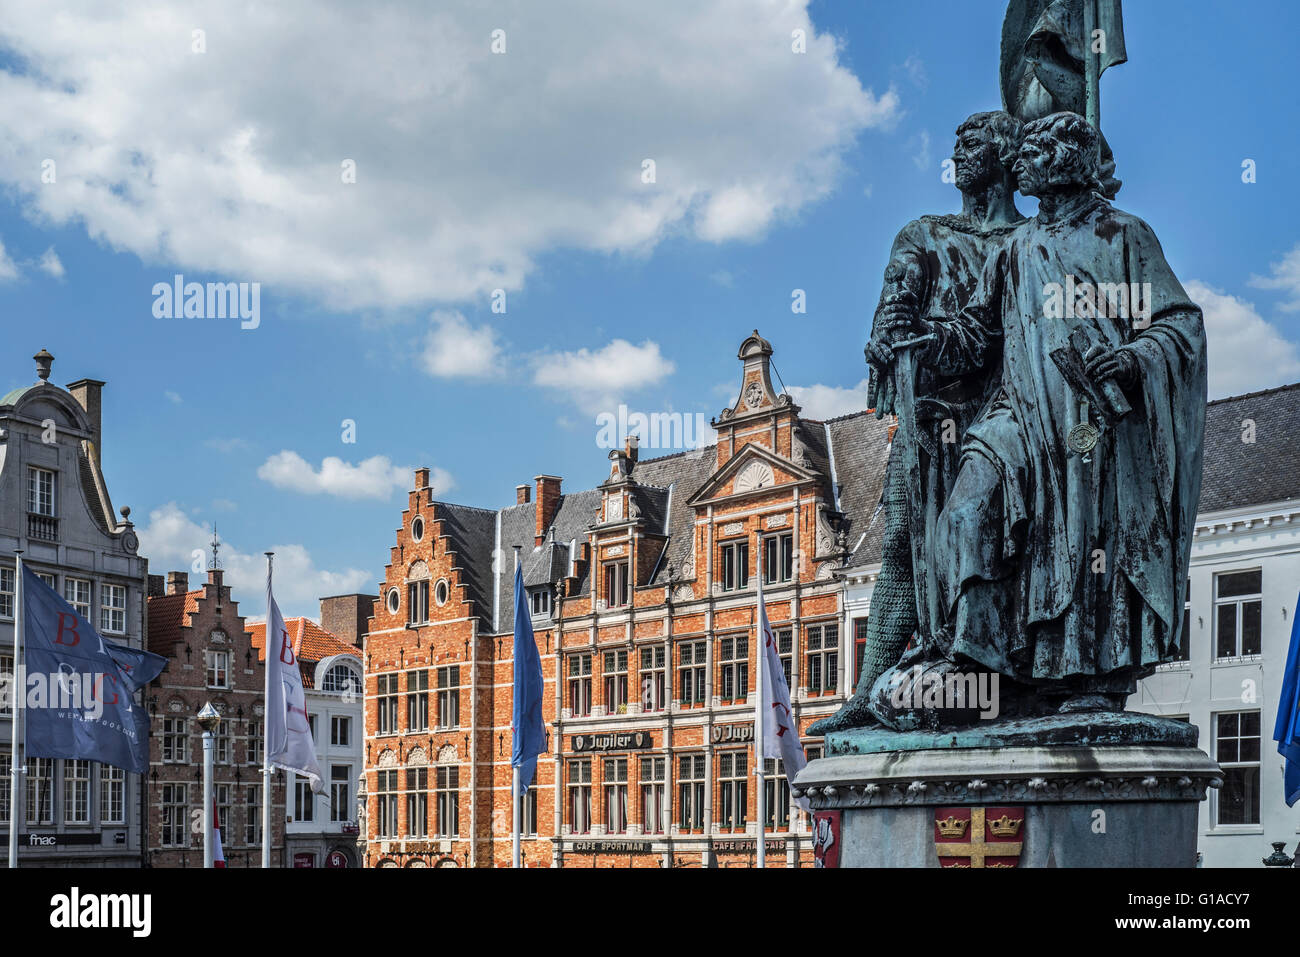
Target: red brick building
(642, 598)
(210, 658)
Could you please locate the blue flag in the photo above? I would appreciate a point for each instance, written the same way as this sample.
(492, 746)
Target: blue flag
(528, 731)
(77, 687)
(1287, 730)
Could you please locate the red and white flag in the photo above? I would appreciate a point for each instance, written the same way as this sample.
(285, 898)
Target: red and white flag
(780, 735)
(218, 856)
(289, 743)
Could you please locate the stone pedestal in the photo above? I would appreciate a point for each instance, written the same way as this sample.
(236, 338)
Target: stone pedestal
(1122, 792)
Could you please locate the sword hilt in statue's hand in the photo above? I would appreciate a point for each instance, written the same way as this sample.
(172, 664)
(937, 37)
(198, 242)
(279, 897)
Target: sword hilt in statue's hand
(898, 318)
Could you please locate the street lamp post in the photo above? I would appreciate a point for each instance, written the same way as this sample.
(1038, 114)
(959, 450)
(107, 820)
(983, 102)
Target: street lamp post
(208, 721)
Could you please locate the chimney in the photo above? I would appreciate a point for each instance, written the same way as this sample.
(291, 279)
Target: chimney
(421, 478)
(157, 586)
(630, 450)
(345, 616)
(548, 501)
(178, 583)
(523, 494)
(87, 392)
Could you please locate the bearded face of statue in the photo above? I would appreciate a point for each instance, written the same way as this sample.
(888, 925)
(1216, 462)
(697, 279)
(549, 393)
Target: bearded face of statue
(975, 158)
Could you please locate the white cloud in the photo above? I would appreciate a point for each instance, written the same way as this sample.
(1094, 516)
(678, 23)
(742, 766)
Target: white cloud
(597, 379)
(1285, 276)
(173, 397)
(226, 445)
(828, 401)
(921, 158)
(8, 268)
(1246, 353)
(50, 264)
(455, 349)
(469, 166)
(375, 477)
(172, 541)
(914, 67)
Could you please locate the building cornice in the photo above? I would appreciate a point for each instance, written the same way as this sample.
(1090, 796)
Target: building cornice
(1253, 518)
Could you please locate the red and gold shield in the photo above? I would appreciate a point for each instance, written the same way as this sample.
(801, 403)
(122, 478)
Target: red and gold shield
(979, 836)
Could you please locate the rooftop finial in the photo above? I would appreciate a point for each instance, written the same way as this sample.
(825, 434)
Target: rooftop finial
(216, 546)
(43, 362)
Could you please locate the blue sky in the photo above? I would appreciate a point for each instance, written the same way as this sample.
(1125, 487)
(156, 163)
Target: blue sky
(522, 171)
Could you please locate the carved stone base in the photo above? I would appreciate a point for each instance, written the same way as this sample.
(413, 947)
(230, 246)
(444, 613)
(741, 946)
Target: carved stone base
(1059, 806)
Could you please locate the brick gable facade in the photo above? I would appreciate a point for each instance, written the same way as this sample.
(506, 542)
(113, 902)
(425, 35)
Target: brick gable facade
(641, 593)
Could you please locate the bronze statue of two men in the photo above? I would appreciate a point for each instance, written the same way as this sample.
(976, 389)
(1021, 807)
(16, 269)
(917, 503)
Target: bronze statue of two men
(1049, 378)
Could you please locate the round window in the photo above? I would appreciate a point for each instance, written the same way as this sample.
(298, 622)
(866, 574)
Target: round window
(393, 599)
(441, 592)
(417, 528)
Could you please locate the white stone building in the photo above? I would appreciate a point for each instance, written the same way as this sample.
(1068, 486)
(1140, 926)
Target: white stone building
(54, 505)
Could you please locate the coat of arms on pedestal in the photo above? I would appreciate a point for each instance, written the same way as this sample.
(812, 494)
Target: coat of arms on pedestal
(979, 836)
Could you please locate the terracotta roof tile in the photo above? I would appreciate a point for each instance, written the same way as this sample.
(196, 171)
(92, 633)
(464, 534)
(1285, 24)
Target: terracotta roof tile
(168, 616)
(312, 644)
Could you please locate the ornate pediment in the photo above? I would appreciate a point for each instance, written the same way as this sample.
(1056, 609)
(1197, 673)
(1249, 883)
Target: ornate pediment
(753, 476)
(754, 468)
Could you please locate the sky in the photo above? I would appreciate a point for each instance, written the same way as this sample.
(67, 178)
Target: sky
(478, 227)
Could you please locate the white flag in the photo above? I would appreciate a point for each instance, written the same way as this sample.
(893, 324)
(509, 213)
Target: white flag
(289, 743)
(780, 737)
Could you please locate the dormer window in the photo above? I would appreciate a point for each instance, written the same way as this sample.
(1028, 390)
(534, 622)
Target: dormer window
(616, 584)
(341, 679)
(541, 602)
(40, 492)
(735, 565)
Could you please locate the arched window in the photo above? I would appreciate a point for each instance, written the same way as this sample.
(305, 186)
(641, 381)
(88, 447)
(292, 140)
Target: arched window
(341, 678)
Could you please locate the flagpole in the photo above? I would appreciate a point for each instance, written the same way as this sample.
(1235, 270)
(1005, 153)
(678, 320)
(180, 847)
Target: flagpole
(760, 659)
(514, 777)
(16, 701)
(266, 725)
(1092, 69)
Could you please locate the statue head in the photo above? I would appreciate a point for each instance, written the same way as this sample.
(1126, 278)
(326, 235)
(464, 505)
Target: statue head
(1058, 155)
(987, 147)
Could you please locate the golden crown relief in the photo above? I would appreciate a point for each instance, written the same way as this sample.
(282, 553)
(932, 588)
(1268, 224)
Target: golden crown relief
(1005, 826)
(952, 826)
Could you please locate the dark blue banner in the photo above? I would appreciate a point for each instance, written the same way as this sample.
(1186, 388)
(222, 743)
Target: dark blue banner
(76, 689)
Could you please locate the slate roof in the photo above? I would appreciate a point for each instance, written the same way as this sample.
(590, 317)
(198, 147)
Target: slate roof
(574, 516)
(1237, 473)
(681, 474)
(472, 533)
(859, 447)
